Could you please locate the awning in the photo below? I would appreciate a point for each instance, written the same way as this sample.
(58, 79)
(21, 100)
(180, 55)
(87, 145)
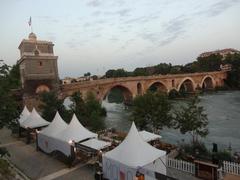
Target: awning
(148, 136)
(96, 144)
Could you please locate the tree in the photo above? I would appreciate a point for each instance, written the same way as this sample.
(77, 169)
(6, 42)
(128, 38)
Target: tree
(210, 63)
(152, 111)
(233, 78)
(88, 111)
(192, 119)
(9, 109)
(87, 74)
(51, 104)
(78, 107)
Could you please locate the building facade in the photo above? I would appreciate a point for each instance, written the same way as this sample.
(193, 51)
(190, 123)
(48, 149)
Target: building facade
(38, 69)
(38, 66)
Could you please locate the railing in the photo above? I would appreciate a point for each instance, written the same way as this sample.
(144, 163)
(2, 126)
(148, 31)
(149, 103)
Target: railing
(181, 165)
(231, 168)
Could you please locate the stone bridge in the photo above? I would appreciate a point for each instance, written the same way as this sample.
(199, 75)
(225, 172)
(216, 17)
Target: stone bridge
(133, 86)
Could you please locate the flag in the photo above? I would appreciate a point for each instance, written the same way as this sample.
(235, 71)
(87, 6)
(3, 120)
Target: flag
(30, 21)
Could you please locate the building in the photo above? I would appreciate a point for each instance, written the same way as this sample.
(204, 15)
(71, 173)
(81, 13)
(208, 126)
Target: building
(223, 52)
(68, 80)
(38, 66)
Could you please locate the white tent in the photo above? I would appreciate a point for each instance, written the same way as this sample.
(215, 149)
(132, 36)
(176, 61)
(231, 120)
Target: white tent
(46, 140)
(96, 144)
(56, 126)
(34, 120)
(132, 155)
(148, 136)
(75, 132)
(24, 115)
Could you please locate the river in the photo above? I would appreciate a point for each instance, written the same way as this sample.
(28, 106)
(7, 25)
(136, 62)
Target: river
(222, 108)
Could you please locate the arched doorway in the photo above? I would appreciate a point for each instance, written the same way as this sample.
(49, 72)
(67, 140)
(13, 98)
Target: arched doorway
(42, 88)
(158, 86)
(186, 86)
(207, 83)
(139, 89)
(119, 94)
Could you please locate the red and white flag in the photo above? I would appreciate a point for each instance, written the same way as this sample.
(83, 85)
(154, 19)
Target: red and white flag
(30, 21)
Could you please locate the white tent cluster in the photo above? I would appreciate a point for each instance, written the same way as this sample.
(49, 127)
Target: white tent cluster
(59, 136)
(31, 120)
(132, 155)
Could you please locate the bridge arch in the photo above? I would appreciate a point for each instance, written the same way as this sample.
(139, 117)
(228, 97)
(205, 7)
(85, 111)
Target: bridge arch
(158, 86)
(208, 82)
(42, 88)
(139, 89)
(126, 92)
(187, 84)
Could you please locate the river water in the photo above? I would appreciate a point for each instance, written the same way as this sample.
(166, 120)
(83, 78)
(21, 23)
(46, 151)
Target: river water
(222, 108)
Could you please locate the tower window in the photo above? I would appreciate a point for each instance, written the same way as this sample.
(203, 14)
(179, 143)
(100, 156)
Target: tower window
(40, 63)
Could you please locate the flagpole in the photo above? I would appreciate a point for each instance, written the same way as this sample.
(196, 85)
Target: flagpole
(30, 24)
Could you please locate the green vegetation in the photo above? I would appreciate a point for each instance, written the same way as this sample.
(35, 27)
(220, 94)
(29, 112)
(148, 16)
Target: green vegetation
(88, 111)
(152, 111)
(233, 79)
(51, 104)
(9, 109)
(192, 119)
(198, 150)
(202, 64)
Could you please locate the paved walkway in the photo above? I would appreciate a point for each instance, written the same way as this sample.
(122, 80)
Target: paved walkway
(37, 165)
(180, 175)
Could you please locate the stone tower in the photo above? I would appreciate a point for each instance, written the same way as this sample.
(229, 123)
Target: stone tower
(38, 66)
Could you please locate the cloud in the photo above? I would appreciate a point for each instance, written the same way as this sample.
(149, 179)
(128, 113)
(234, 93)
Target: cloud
(122, 12)
(218, 8)
(142, 19)
(94, 3)
(51, 36)
(172, 30)
(96, 13)
(48, 19)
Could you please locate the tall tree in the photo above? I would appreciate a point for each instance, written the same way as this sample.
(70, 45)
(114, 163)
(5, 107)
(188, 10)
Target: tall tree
(51, 104)
(152, 111)
(192, 119)
(78, 107)
(88, 111)
(9, 109)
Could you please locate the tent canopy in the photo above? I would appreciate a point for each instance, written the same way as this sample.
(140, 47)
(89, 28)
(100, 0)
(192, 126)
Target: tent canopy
(148, 136)
(134, 151)
(56, 126)
(75, 131)
(24, 115)
(96, 144)
(34, 120)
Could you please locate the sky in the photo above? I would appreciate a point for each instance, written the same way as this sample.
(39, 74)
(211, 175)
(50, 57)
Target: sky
(98, 35)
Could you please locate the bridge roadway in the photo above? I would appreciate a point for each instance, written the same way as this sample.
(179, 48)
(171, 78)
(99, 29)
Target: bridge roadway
(132, 86)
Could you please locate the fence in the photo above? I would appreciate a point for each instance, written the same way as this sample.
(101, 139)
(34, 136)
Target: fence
(231, 168)
(181, 165)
